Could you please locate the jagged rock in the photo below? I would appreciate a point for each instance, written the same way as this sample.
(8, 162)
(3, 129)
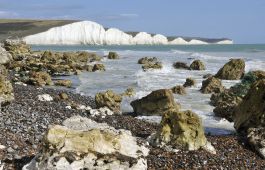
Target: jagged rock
(40, 79)
(16, 47)
(197, 65)
(256, 138)
(156, 65)
(146, 60)
(84, 144)
(66, 83)
(5, 57)
(110, 100)
(99, 67)
(113, 55)
(178, 90)
(6, 91)
(156, 103)
(45, 97)
(189, 82)
(181, 65)
(181, 129)
(233, 70)
(212, 85)
(129, 92)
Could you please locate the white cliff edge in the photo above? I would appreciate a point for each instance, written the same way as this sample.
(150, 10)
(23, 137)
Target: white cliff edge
(88, 32)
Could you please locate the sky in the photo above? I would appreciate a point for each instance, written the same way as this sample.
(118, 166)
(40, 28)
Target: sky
(240, 20)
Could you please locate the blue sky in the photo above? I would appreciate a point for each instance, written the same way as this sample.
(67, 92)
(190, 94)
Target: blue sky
(241, 20)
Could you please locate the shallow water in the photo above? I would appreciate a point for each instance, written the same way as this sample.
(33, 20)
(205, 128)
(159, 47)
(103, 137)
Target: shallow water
(125, 72)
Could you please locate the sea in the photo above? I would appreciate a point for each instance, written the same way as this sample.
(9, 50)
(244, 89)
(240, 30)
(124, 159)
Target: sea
(125, 72)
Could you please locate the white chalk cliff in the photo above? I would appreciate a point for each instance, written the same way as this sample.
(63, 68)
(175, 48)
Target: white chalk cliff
(88, 32)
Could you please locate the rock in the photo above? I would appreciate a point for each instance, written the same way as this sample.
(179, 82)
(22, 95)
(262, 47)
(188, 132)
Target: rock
(178, 90)
(156, 65)
(98, 67)
(256, 138)
(181, 65)
(84, 144)
(102, 112)
(146, 60)
(250, 112)
(189, 82)
(6, 91)
(129, 92)
(5, 57)
(181, 129)
(40, 79)
(212, 85)
(207, 76)
(66, 83)
(233, 70)
(63, 96)
(16, 47)
(156, 103)
(45, 97)
(197, 65)
(113, 55)
(110, 100)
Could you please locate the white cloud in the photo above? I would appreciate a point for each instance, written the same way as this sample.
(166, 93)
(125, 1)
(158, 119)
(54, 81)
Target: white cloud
(119, 16)
(8, 14)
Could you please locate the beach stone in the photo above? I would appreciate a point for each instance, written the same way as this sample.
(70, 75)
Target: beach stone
(181, 65)
(212, 85)
(98, 67)
(113, 55)
(129, 92)
(183, 130)
(146, 60)
(40, 79)
(179, 90)
(197, 65)
(84, 144)
(110, 100)
(6, 91)
(66, 83)
(45, 97)
(5, 57)
(156, 103)
(63, 96)
(233, 70)
(15, 47)
(189, 82)
(256, 138)
(151, 65)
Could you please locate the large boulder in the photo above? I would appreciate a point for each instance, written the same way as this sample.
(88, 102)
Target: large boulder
(197, 65)
(146, 60)
(40, 79)
(156, 103)
(5, 57)
(84, 144)
(98, 67)
(233, 70)
(16, 47)
(256, 138)
(212, 85)
(179, 90)
(113, 55)
(110, 100)
(181, 65)
(66, 83)
(182, 130)
(189, 82)
(6, 91)
(152, 65)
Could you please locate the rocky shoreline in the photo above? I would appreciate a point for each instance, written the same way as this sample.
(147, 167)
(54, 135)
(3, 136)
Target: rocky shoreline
(32, 111)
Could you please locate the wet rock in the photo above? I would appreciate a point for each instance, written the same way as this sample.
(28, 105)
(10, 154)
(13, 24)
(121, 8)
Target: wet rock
(6, 91)
(156, 103)
(256, 138)
(189, 82)
(45, 97)
(84, 144)
(110, 100)
(233, 70)
(181, 129)
(113, 55)
(5, 57)
(99, 67)
(156, 65)
(197, 65)
(66, 83)
(181, 65)
(178, 90)
(212, 85)
(207, 76)
(129, 92)
(16, 47)
(40, 79)
(146, 60)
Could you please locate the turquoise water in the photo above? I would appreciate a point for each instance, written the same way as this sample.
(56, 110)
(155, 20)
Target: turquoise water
(125, 72)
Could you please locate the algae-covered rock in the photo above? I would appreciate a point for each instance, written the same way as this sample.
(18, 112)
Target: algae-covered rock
(84, 144)
(197, 65)
(156, 103)
(181, 129)
(129, 92)
(66, 83)
(179, 90)
(156, 65)
(233, 70)
(212, 85)
(99, 67)
(113, 55)
(189, 82)
(146, 60)
(6, 91)
(15, 47)
(181, 65)
(110, 100)
(40, 79)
